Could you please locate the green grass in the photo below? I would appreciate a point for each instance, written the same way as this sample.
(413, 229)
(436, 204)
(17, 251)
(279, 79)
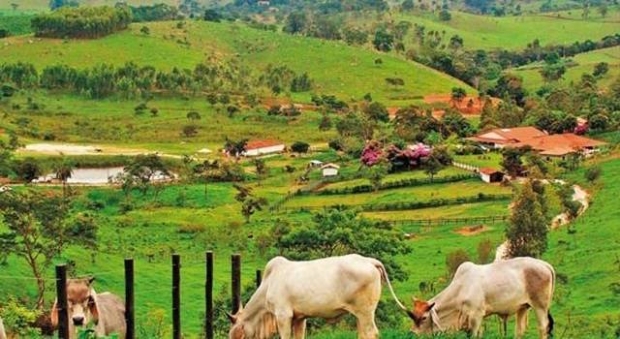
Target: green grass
(585, 63)
(418, 193)
(336, 68)
(482, 209)
(514, 33)
(416, 174)
(489, 159)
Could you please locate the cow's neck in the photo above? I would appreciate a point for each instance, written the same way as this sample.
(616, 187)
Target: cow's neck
(445, 313)
(258, 317)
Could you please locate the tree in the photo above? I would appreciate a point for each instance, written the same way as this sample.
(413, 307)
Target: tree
(300, 147)
(432, 166)
(212, 15)
(189, 131)
(64, 171)
(593, 173)
(296, 22)
(511, 161)
(235, 148)
(38, 231)
(338, 232)
(458, 94)
(249, 203)
(261, 168)
(144, 168)
(407, 6)
(193, 115)
(600, 69)
(383, 40)
(377, 112)
(376, 173)
(527, 228)
(145, 30)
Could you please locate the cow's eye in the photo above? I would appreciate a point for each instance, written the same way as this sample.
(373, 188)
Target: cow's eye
(424, 318)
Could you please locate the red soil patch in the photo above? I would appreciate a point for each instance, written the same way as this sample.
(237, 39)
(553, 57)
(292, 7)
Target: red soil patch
(472, 230)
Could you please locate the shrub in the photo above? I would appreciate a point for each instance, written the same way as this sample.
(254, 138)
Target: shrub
(454, 259)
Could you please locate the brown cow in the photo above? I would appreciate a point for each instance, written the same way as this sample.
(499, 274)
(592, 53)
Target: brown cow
(105, 310)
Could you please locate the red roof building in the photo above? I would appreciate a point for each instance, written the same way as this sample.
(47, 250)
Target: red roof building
(555, 145)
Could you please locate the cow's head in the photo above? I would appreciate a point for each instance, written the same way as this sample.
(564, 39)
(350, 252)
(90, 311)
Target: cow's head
(421, 316)
(81, 303)
(259, 325)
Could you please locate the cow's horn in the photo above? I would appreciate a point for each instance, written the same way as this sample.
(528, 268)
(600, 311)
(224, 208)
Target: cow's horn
(232, 318)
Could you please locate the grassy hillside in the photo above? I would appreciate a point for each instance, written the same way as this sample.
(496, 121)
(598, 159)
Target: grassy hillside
(335, 67)
(584, 64)
(515, 32)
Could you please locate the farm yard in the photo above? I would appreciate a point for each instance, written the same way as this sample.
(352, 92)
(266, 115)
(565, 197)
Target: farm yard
(377, 157)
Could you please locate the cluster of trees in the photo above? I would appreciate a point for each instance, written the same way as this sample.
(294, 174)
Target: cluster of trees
(157, 12)
(480, 67)
(554, 109)
(131, 80)
(81, 22)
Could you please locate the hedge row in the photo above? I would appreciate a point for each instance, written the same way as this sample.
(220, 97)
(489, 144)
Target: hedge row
(409, 205)
(412, 205)
(366, 188)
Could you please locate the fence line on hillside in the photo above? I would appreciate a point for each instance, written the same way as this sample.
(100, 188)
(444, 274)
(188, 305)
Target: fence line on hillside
(467, 167)
(63, 311)
(447, 221)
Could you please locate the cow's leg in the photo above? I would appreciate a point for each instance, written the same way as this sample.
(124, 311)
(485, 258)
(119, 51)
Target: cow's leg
(475, 325)
(543, 322)
(285, 325)
(366, 327)
(521, 323)
(299, 328)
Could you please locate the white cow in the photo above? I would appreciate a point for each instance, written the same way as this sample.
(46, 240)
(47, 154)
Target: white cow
(328, 288)
(476, 291)
(105, 310)
(2, 332)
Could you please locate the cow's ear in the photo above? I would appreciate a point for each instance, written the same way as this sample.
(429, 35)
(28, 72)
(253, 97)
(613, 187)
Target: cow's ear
(94, 310)
(54, 314)
(430, 306)
(90, 280)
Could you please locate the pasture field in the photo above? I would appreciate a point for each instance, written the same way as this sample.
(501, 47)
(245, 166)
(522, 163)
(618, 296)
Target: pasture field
(515, 32)
(182, 220)
(336, 68)
(407, 194)
(585, 63)
(113, 123)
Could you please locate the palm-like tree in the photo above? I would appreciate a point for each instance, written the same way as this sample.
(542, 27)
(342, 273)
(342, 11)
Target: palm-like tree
(64, 171)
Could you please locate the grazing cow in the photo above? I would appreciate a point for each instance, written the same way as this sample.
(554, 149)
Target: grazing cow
(2, 333)
(476, 291)
(105, 310)
(328, 288)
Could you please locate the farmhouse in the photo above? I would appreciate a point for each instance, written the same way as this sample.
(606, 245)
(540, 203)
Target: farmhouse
(262, 147)
(505, 137)
(491, 175)
(555, 145)
(330, 170)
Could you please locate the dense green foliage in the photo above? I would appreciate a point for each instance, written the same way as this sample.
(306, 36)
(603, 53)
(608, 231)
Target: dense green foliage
(82, 22)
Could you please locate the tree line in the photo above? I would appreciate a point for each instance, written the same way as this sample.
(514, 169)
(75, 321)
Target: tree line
(131, 80)
(81, 22)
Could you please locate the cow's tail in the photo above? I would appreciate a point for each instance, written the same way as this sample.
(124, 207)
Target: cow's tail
(550, 325)
(384, 277)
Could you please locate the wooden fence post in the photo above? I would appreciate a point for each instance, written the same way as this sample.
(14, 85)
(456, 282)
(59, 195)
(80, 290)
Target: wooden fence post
(176, 296)
(209, 297)
(259, 278)
(129, 299)
(236, 282)
(61, 305)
